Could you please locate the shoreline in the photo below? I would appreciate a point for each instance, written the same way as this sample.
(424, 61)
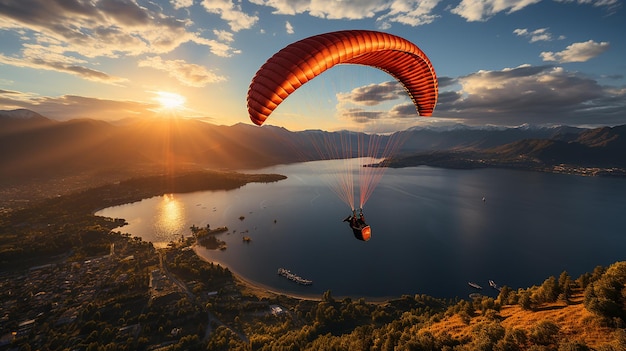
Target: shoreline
(262, 290)
(255, 287)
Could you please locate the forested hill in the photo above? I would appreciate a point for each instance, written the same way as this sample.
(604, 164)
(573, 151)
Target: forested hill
(596, 151)
(35, 146)
(602, 147)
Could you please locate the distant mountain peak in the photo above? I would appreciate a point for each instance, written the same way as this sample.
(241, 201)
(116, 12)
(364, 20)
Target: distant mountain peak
(457, 127)
(20, 113)
(528, 126)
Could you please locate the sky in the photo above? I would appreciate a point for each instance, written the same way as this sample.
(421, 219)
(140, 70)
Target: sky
(499, 62)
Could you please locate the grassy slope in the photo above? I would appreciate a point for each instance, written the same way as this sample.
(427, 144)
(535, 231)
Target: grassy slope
(575, 322)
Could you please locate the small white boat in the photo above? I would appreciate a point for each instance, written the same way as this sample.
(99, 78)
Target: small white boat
(474, 285)
(494, 285)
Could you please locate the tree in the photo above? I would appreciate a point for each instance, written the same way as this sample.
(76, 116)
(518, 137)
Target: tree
(514, 339)
(486, 335)
(565, 287)
(606, 295)
(524, 300)
(327, 297)
(486, 304)
(549, 290)
(503, 296)
(584, 280)
(544, 333)
(564, 281)
(598, 271)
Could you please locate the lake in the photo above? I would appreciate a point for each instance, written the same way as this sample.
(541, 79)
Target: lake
(431, 230)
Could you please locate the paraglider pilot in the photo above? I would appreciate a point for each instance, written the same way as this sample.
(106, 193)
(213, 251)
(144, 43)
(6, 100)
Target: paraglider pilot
(360, 229)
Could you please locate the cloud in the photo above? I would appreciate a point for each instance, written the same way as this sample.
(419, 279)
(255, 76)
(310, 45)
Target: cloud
(382, 107)
(188, 74)
(536, 35)
(395, 118)
(407, 12)
(41, 58)
(224, 36)
(99, 28)
(610, 5)
(179, 4)
(68, 107)
(58, 35)
(231, 13)
(411, 12)
(577, 52)
(359, 115)
(533, 94)
(218, 48)
(445, 81)
(372, 94)
(13, 98)
(289, 27)
(482, 10)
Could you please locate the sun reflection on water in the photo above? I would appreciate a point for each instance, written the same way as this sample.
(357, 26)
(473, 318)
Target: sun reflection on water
(170, 219)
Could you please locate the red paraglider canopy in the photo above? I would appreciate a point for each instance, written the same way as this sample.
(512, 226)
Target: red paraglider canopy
(303, 60)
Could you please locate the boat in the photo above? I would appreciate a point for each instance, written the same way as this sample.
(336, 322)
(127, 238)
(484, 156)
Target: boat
(474, 285)
(494, 285)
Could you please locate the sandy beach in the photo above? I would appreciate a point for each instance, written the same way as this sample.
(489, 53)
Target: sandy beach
(261, 290)
(255, 288)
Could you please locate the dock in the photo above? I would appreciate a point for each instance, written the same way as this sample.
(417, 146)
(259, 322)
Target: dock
(294, 277)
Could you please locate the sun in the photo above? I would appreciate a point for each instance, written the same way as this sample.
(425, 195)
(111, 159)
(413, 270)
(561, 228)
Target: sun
(170, 101)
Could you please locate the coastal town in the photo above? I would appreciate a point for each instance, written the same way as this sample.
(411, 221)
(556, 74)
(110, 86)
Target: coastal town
(67, 294)
(68, 281)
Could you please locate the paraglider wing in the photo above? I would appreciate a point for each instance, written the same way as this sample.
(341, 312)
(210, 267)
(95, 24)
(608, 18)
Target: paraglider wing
(303, 60)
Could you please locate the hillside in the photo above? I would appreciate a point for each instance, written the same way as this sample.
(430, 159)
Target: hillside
(601, 147)
(37, 147)
(50, 148)
(43, 157)
(575, 322)
(464, 137)
(21, 119)
(591, 152)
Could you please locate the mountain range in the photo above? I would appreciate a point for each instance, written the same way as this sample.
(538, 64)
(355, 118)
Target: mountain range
(569, 150)
(34, 146)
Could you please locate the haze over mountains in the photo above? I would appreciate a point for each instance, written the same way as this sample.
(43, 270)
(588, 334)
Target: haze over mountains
(35, 146)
